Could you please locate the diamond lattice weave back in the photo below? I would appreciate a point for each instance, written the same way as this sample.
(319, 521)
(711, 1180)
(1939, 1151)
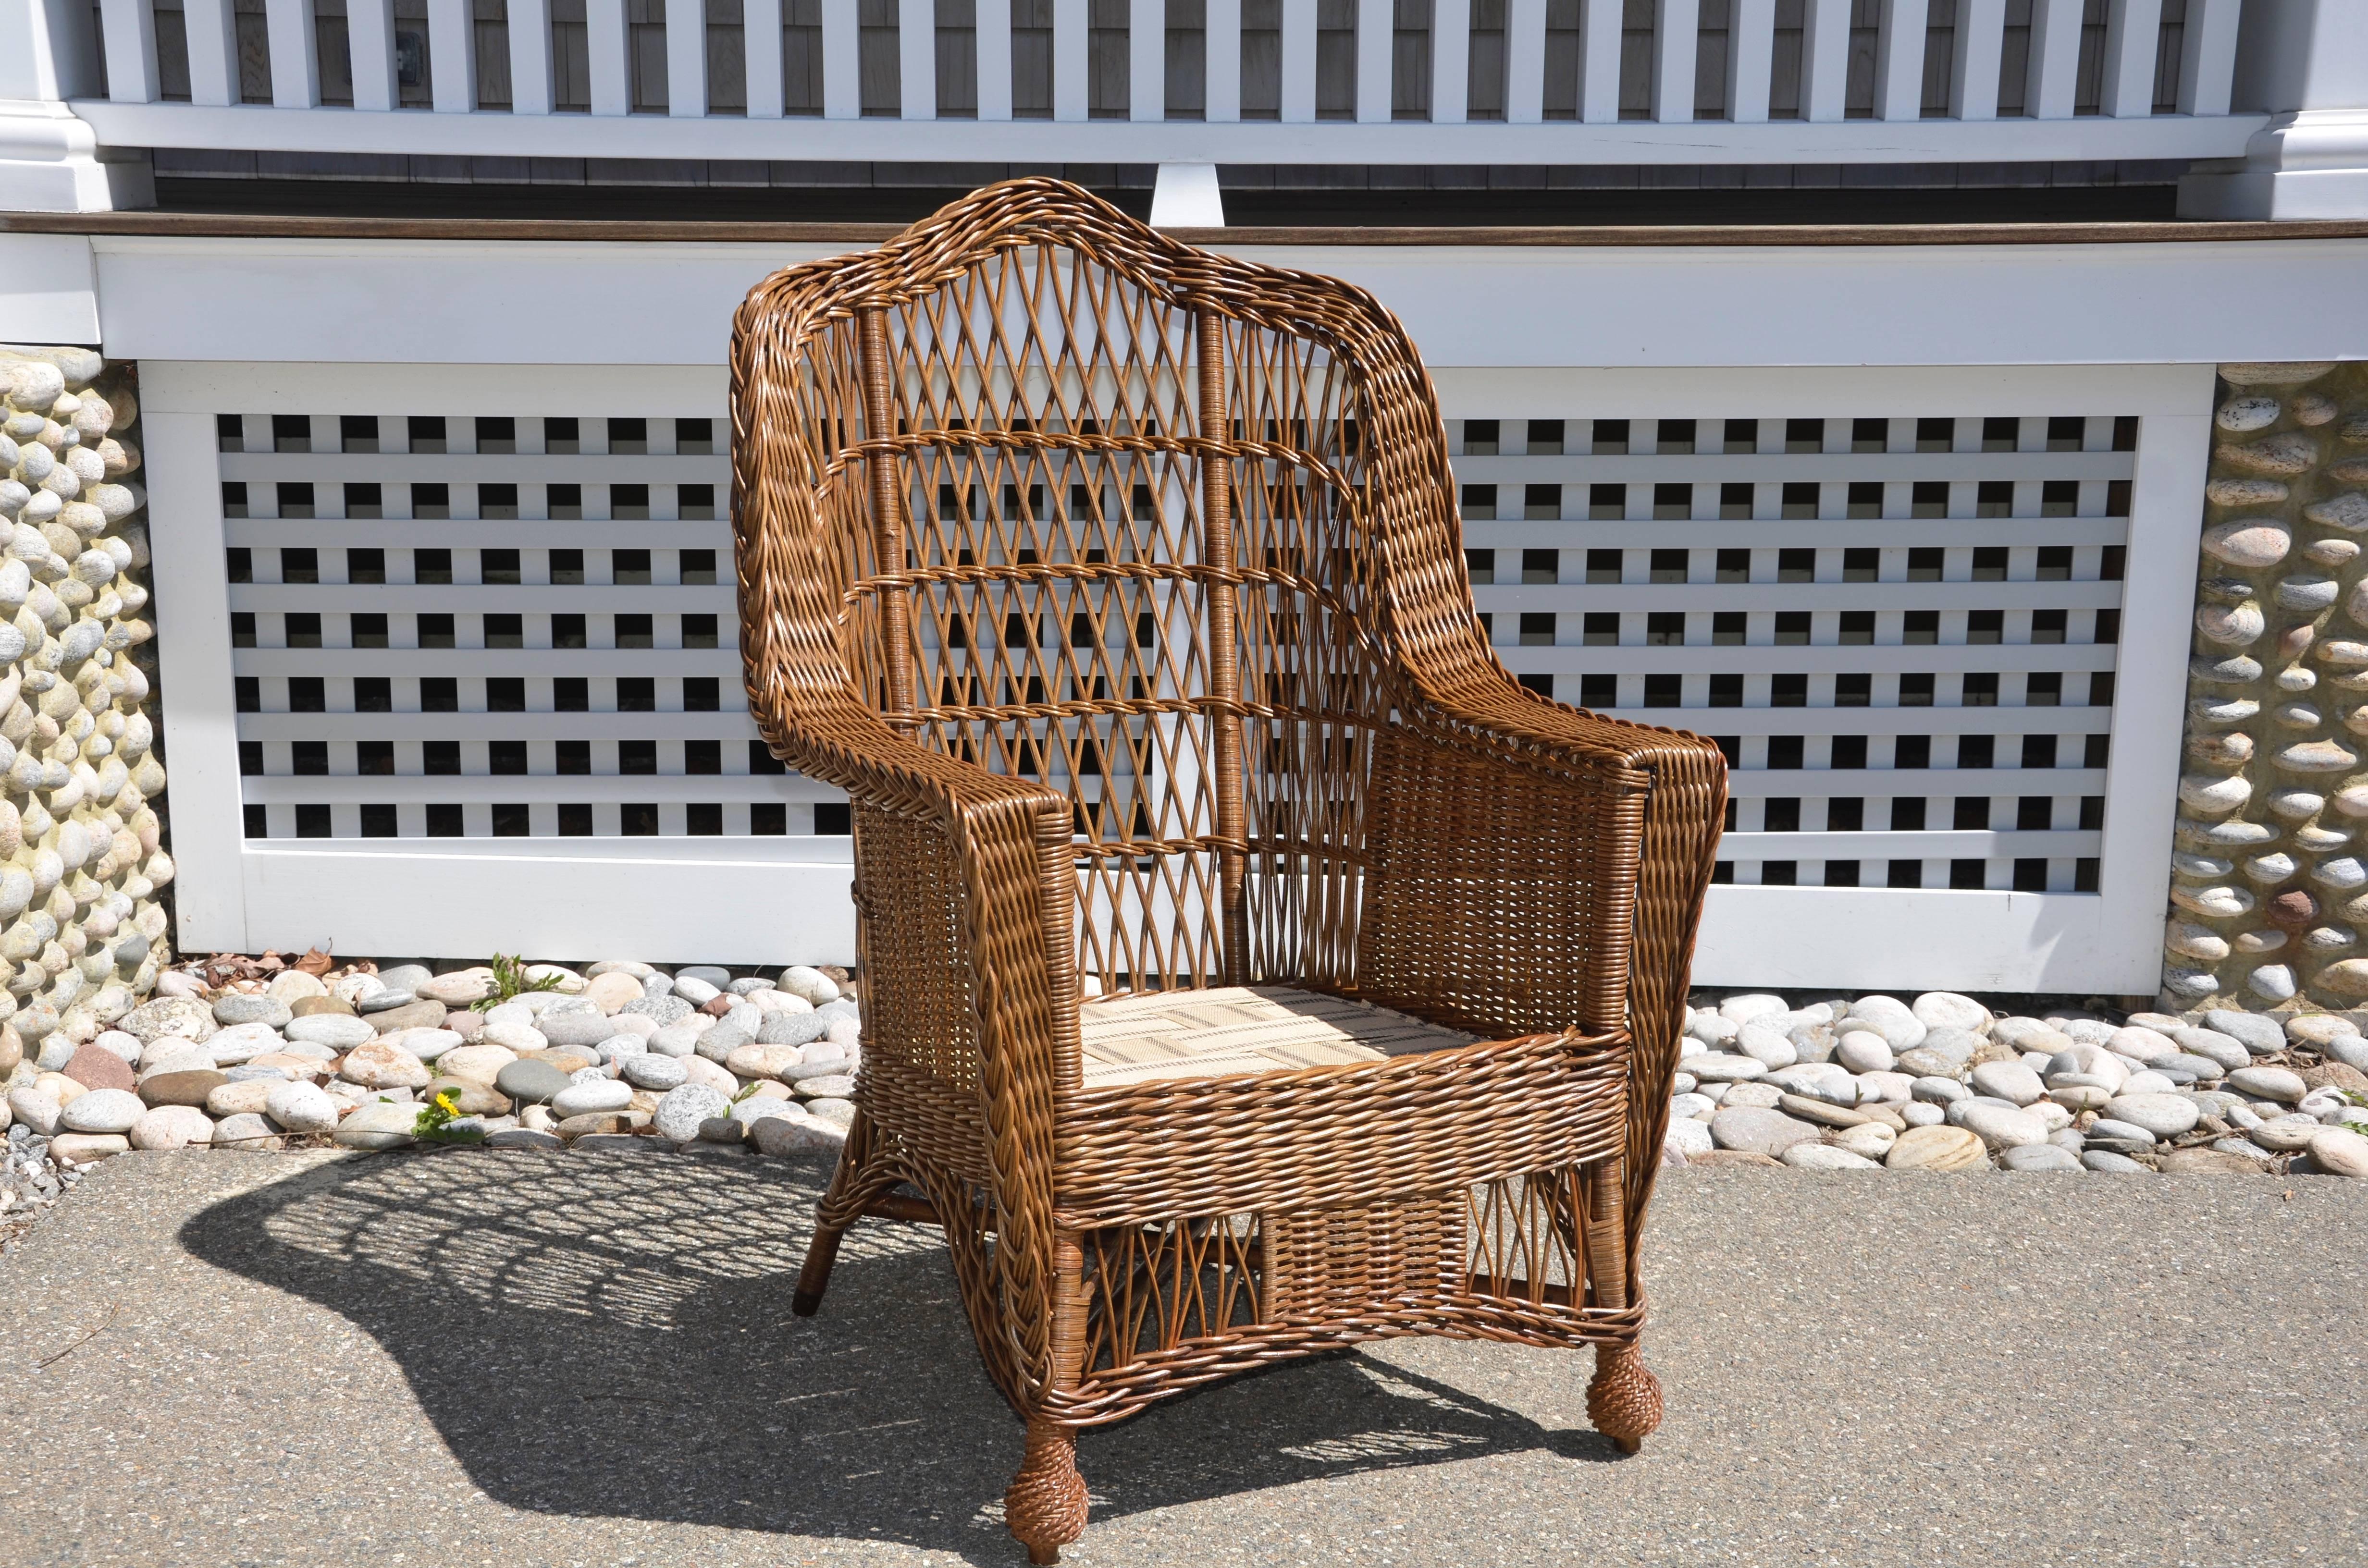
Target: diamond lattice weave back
(1243, 1028)
(1133, 559)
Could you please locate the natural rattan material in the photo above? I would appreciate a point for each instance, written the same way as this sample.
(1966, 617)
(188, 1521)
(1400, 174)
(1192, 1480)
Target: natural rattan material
(1120, 587)
(1243, 1028)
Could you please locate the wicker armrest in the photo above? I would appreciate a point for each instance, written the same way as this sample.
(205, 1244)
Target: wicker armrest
(994, 848)
(1606, 832)
(1682, 780)
(835, 739)
(1603, 832)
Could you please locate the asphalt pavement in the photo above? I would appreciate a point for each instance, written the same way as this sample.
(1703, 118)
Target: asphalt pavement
(466, 1357)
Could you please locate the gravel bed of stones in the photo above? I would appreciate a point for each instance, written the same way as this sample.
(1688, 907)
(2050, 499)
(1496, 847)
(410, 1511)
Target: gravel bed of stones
(1943, 1083)
(617, 1056)
(630, 1057)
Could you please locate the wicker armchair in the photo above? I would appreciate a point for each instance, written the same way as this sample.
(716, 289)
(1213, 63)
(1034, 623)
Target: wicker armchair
(1252, 966)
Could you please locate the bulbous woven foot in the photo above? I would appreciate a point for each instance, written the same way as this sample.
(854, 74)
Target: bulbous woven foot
(806, 1303)
(1046, 1507)
(1624, 1399)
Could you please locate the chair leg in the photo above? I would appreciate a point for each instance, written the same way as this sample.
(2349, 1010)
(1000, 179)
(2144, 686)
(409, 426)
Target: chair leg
(1046, 1507)
(815, 1277)
(833, 1215)
(1624, 1399)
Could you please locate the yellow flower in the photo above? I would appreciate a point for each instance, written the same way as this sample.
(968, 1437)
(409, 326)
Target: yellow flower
(445, 1100)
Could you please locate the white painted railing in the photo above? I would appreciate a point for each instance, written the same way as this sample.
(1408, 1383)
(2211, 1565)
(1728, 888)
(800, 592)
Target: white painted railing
(1471, 81)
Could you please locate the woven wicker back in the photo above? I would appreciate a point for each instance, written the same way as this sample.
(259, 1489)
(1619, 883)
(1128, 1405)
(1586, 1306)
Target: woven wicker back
(1097, 517)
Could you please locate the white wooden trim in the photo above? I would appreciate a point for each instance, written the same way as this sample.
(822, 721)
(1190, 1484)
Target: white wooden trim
(53, 295)
(1573, 658)
(1450, 61)
(1525, 61)
(1825, 58)
(452, 49)
(1598, 99)
(1942, 845)
(1376, 27)
(1677, 39)
(295, 59)
(1974, 80)
(607, 47)
(1751, 49)
(1298, 62)
(1221, 95)
(49, 52)
(1971, 941)
(200, 720)
(2133, 33)
(1636, 533)
(324, 382)
(1174, 140)
(2150, 702)
(540, 789)
(1071, 97)
(842, 68)
(2054, 59)
(213, 53)
(1753, 384)
(749, 910)
(916, 59)
(1186, 196)
(369, 42)
(532, 83)
(129, 28)
(1899, 61)
(686, 36)
(1146, 60)
(993, 21)
(490, 305)
(2207, 57)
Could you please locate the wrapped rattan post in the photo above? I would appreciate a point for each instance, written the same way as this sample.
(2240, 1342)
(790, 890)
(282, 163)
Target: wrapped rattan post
(888, 531)
(1607, 1253)
(1054, 740)
(1224, 637)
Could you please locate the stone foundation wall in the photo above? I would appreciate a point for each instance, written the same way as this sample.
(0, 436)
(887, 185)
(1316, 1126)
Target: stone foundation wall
(2270, 887)
(83, 864)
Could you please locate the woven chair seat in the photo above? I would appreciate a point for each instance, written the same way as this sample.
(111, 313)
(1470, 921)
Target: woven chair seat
(1243, 1028)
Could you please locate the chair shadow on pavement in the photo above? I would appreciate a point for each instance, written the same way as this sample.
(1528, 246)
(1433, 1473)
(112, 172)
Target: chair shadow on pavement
(610, 1336)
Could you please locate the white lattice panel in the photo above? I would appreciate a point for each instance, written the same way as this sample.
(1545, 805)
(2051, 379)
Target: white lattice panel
(495, 650)
(457, 680)
(466, 626)
(1902, 630)
(1900, 601)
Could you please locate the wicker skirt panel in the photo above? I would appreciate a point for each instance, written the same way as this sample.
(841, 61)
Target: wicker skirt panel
(1114, 1393)
(1339, 1137)
(1174, 1305)
(1332, 1263)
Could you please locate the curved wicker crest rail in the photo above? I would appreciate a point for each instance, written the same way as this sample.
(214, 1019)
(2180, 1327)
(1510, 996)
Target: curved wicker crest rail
(1120, 585)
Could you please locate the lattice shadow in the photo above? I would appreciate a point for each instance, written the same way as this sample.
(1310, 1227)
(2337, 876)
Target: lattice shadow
(611, 1336)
